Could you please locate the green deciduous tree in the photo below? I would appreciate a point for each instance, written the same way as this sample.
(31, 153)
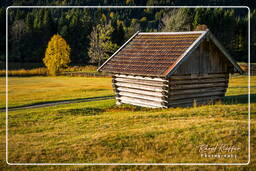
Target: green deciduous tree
(100, 43)
(57, 54)
(177, 20)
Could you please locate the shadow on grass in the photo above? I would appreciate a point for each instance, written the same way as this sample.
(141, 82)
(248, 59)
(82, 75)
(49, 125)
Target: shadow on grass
(131, 108)
(57, 102)
(82, 112)
(239, 99)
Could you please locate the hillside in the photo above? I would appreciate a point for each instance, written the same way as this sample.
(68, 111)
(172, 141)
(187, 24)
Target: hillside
(103, 132)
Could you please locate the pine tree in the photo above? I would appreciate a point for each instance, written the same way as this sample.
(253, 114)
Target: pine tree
(57, 54)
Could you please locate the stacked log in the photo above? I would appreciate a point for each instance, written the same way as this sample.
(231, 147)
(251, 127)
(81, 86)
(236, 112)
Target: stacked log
(187, 90)
(177, 91)
(141, 91)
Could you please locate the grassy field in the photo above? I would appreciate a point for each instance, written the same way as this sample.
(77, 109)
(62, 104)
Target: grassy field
(37, 69)
(103, 132)
(32, 90)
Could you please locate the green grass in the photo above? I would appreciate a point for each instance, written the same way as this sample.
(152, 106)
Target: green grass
(103, 132)
(31, 90)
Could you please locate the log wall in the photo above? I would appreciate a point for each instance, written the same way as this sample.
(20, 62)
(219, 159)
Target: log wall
(177, 91)
(196, 89)
(141, 91)
(201, 79)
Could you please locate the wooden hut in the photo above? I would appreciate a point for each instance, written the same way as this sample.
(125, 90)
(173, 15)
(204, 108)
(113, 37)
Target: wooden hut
(170, 69)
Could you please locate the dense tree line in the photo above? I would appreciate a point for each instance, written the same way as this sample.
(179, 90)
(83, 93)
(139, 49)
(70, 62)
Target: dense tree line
(249, 3)
(31, 29)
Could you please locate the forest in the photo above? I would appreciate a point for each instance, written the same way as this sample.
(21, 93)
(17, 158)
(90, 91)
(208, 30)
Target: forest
(29, 30)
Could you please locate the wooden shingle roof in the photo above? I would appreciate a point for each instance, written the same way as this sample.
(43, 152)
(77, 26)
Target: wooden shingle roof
(154, 54)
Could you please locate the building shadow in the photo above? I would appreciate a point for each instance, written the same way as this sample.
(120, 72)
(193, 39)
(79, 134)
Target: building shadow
(239, 99)
(83, 111)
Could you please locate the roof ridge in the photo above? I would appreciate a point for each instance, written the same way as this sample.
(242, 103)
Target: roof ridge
(183, 32)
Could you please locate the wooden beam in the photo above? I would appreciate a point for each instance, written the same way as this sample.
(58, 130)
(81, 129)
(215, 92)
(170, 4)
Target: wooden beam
(141, 96)
(185, 101)
(196, 95)
(151, 93)
(193, 91)
(142, 101)
(198, 103)
(141, 77)
(195, 86)
(143, 82)
(141, 87)
(142, 104)
(182, 77)
(194, 81)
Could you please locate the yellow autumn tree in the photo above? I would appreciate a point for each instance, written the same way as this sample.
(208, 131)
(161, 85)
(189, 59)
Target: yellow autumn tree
(57, 54)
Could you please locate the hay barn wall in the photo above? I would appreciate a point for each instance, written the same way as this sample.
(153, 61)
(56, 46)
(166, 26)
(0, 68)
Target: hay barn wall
(141, 91)
(201, 79)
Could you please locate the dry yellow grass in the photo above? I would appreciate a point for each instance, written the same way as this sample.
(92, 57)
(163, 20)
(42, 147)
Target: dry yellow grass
(25, 72)
(31, 90)
(103, 132)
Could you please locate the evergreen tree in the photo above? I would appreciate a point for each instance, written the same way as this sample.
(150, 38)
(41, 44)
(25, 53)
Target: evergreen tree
(253, 35)
(118, 33)
(75, 25)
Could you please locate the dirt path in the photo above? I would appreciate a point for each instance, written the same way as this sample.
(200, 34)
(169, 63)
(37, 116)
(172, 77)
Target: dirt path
(47, 104)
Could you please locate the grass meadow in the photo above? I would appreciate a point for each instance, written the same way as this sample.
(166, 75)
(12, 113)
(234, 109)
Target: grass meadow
(37, 69)
(34, 90)
(101, 132)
